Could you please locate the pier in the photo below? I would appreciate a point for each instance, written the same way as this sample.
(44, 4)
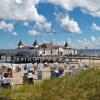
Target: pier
(13, 57)
(51, 59)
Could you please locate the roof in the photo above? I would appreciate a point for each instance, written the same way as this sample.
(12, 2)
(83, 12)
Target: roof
(27, 47)
(35, 43)
(66, 44)
(68, 48)
(20, 43)
(48, 46)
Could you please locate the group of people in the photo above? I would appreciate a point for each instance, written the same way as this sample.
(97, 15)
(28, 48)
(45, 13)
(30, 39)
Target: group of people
(29, 71)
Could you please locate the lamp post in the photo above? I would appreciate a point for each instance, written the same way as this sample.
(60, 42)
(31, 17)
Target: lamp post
(85, 50)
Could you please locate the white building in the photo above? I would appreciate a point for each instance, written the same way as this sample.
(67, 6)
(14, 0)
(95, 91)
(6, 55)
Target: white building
(46, 49)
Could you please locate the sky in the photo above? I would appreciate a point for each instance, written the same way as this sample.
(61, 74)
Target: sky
(74, 21)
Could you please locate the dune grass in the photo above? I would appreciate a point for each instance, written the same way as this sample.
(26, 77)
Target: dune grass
(83, 86)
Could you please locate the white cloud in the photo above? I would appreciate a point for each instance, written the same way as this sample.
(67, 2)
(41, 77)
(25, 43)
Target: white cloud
(24, 10)
(44, 27)
(91, 7)
(19, 1)
(14, 33)
(25, 23)
(93, 39)
(33, 32)
(95, 27)
(41, 28)
(91, 42)
(68, 24)
(6, 26)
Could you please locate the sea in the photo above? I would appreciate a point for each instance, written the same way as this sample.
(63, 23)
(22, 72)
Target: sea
(89, 52)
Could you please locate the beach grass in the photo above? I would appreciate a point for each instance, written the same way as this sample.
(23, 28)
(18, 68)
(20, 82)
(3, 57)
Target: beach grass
(83, 86)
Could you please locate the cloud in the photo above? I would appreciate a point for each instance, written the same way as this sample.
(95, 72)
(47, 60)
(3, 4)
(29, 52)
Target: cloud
(33, 32)
(6, 26)
(24, 10)
(19, 1)
(41, 28)
(25, 23)
(95, 27)
(44, 27)
(91, 7)
(68, 24)
(14, 33)
(91, 42)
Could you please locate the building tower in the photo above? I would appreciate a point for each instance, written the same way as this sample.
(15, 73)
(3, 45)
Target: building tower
(35, 44)
(66, 45)
(20, 44)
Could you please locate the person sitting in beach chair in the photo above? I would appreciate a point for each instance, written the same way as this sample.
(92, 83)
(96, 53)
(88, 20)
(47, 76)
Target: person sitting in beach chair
(54, 72)
(61, 70)
(25, 79)
(9, 71)
(6, 81)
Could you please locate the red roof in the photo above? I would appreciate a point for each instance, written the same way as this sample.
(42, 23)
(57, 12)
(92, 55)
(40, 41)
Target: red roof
(27, 47)
(48, 46)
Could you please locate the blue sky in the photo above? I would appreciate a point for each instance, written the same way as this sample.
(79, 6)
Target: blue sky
(50, 21)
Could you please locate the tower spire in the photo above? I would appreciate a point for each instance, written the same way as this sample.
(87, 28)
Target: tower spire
(20, 44)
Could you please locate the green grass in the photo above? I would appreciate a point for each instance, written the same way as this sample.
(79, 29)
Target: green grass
(83, 86)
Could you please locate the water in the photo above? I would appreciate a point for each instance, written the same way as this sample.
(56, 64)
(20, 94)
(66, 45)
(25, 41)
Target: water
(89, 52)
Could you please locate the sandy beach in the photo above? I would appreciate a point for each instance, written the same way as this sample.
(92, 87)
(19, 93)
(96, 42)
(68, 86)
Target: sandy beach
(17, 78)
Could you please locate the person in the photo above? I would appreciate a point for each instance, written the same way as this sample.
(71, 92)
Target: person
(6, 81)
(25, 80)
(54, 72)
(26, 67)
(61, 70)
(9, 70)
(30, 77)
(31, 69)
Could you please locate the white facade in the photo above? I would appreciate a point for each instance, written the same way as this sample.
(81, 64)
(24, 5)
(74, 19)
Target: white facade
(44, 52)
(46, 49)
